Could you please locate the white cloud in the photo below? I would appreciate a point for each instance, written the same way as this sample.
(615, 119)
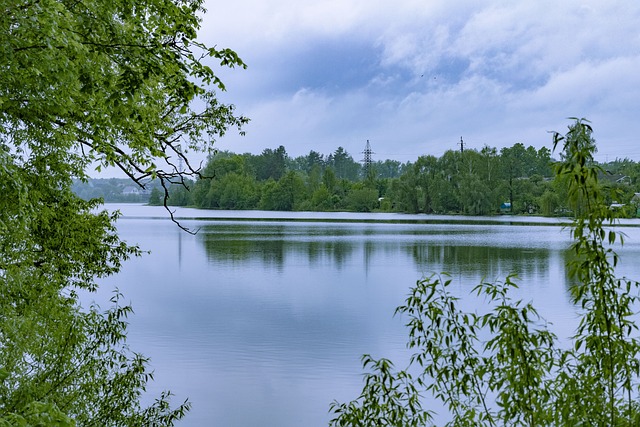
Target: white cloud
(495, 72)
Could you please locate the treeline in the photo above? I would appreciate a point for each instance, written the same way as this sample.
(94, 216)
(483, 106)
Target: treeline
(515, 179)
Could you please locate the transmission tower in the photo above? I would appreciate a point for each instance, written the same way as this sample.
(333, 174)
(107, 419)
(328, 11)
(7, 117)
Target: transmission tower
(367, 161)
(461, 145)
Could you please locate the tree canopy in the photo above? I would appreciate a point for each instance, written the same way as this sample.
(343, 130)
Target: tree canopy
(82, 85)
(471, 182)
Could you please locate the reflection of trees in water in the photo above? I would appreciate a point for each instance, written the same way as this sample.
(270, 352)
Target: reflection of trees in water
(276, 244)
(569, 256)
(271, 246)
(277, 252)
(241, 250)
(627, 259)
(369, 253)
(480, 261)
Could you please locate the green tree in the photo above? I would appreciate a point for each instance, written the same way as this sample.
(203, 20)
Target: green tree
(403, 194)
(226, 183)
(544, 162)
(343, 165)
(112, 84)
(329, 180)
(232, 191)
(285, 195)
(313, 160)
(447, 197)
(155, 198)
(321, 199)
(363, 199)
(179, 194)
(224, 163)
(548, 203)
(271, 164)
(475, 193)
(388, 168)
(502, 365)
(314, 178)
(426, 176)
(513, 167)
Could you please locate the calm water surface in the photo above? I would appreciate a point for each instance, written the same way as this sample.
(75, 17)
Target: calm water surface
(260, 319)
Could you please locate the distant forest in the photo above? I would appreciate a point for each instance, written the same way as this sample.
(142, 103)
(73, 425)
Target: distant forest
(514, 180)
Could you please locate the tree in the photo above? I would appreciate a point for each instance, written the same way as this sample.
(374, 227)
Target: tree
(313, 160)
(178, 193)
(155, 197)
(544, 162)
(513, 167)
(321, 199)
(403, 192)
(343, 164)
(232, 191)
(112, 84)
(329, 180)
(426, 170)
(447, 198)
(224, 170)
(363, 199)
(271, 164)
(388, 168)
(285, 195)
(503, 366)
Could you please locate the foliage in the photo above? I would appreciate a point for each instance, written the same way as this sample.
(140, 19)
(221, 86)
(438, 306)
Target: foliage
(233, 191)
(155, 197)
(270, 164)
(472, 182)
(388, 399)
(503, 365)
(285, 195)
(95, 83)
(344, 165)
(321, 199)
(363, 199)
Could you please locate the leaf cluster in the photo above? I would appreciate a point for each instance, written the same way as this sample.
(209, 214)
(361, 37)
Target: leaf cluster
(89, 84)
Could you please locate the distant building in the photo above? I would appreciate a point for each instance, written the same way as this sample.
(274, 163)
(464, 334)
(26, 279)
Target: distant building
(614, 177)
(130, 190)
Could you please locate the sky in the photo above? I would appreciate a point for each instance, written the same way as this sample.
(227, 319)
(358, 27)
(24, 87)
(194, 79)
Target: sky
(415, 76)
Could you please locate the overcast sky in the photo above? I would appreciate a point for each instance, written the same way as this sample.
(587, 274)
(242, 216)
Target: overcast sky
(413, 76)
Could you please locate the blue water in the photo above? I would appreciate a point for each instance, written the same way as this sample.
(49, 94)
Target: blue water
(260, 319)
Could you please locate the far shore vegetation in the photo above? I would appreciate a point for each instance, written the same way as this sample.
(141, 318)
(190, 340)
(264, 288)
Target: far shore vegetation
(512, 180)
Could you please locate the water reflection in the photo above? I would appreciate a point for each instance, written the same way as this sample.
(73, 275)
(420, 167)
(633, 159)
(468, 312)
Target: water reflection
(484, 252)
(273, 245)
(484, 261)
(264, 323)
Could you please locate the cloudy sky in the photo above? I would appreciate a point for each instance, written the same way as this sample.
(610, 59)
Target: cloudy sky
(414, 76)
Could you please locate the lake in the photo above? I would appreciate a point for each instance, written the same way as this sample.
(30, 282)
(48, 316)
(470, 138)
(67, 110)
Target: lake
(261, 318)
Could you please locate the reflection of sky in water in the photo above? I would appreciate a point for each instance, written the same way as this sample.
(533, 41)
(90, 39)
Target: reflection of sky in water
(264, 323)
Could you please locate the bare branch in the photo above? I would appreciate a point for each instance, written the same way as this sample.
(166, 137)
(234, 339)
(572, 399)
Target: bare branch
(171, 213)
